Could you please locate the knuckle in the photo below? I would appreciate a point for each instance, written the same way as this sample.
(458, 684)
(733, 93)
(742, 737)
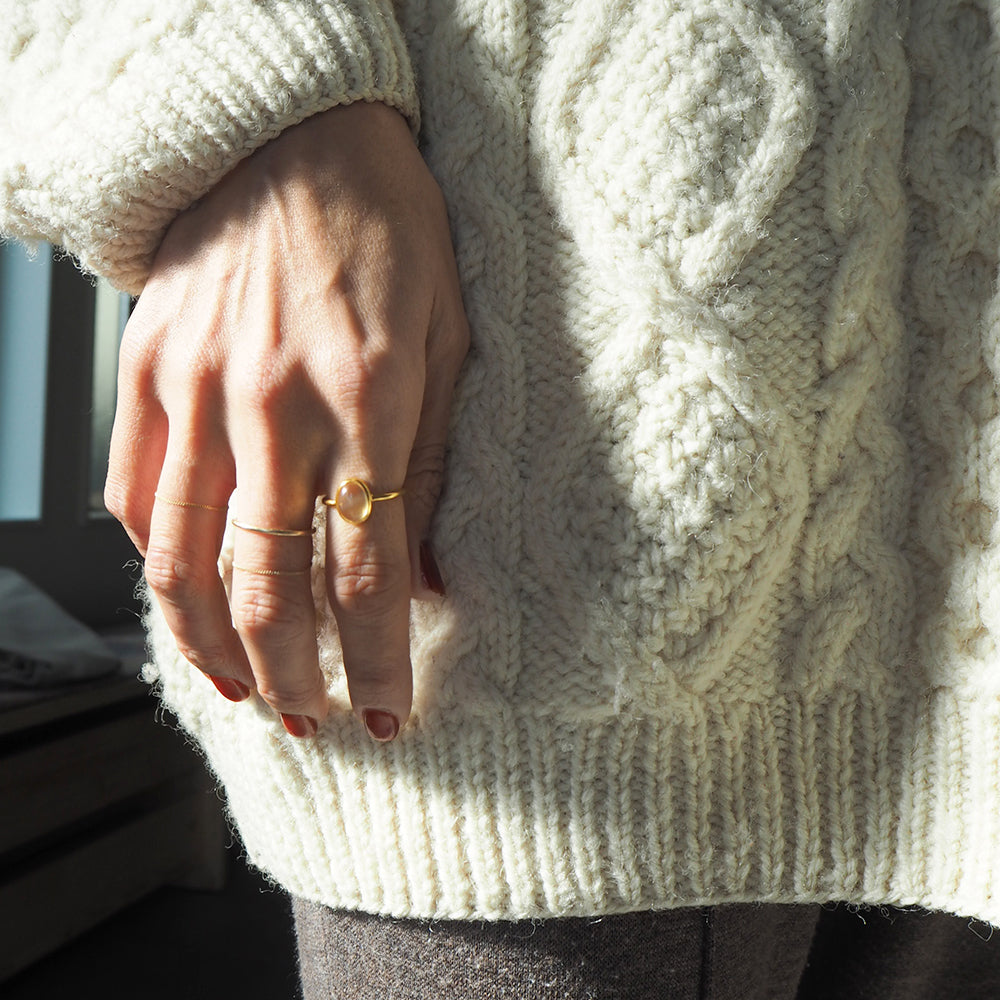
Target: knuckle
(141, 349)
(197, 375)
(365, 588)
(172, 577)
(379, 377)
(208, 659)
(425, 478)
(259, 613)
(450, 335)
(354, 386)
(264, 387)
(283, 692)
(120, 502)
(361, 377)
(427, 461)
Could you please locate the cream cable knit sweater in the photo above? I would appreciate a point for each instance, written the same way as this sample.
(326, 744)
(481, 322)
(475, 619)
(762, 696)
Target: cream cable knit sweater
(720, 528)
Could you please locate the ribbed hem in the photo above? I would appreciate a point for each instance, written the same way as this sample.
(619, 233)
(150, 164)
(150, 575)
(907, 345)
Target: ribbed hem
(159, 118)
(799, 800)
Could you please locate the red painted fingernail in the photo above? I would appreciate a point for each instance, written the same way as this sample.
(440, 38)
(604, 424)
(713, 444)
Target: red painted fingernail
(300, 725)
(228, 688)
(381, 726)
(430, 575)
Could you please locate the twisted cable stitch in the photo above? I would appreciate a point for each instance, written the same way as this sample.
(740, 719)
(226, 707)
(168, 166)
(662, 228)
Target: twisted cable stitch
(851, 545)
(474, 152)
(952, 301)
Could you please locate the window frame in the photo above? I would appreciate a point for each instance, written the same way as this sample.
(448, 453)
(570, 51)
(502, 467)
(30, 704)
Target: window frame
(82, 559)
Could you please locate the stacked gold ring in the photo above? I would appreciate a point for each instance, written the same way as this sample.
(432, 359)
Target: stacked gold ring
(186, 503)
(276, 532)
(353, 501)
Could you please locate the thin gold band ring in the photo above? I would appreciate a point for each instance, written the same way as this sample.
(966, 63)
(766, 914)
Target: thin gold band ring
(272, 572)
(276, 532)
(186, 503)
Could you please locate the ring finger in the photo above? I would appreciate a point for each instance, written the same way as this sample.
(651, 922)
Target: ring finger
(368, 570)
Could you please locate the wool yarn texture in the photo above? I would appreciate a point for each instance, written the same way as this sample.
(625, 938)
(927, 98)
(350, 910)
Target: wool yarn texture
(720, 522)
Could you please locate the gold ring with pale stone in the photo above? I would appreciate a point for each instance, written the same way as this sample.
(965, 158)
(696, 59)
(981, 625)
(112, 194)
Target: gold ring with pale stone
(354, 498)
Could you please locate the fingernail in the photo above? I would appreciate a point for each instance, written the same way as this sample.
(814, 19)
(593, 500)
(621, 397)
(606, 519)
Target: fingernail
(300, 725)
(381, 726)
(229, 688)
(430, 575)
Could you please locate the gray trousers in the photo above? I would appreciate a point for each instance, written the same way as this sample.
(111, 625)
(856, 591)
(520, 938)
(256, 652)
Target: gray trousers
(739, 952)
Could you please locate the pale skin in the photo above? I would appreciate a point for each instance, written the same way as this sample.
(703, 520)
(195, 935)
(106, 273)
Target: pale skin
(303, 324)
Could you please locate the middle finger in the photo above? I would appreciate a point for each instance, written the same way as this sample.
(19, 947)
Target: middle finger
(272, 603)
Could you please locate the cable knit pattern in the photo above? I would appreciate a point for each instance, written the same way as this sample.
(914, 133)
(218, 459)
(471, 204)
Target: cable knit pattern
(954, 308)
(720, 529)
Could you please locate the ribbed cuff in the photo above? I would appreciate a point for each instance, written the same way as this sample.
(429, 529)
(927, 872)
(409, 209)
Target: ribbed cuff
(798, 800)
(164, 104)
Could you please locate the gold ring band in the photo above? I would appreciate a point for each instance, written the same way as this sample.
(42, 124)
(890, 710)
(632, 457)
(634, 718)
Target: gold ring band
(354, 498)
(272, 572)
(276, 532)
(186, 503)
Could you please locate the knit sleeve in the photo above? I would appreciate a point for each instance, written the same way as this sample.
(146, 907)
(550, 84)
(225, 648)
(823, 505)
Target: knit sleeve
(116, 115)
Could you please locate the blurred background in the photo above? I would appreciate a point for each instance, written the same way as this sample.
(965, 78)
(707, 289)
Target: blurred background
(117, 870)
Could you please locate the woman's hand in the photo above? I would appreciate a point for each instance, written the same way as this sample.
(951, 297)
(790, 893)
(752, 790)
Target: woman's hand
(301, 326)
